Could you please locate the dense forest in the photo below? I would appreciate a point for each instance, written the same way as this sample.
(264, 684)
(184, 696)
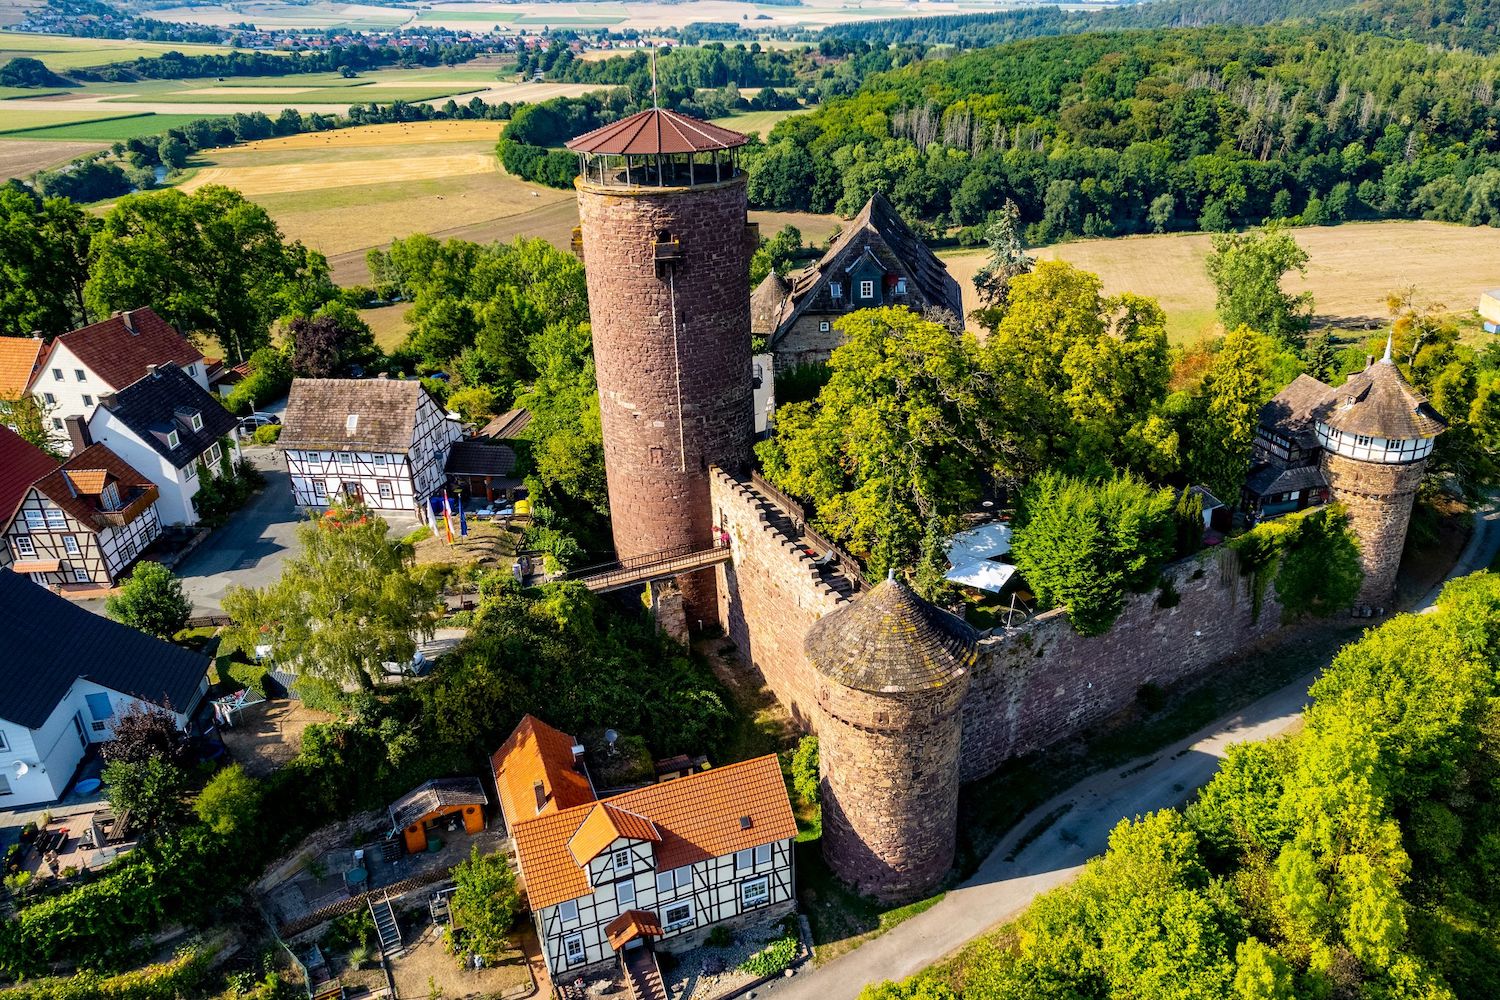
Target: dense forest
(1149, 130)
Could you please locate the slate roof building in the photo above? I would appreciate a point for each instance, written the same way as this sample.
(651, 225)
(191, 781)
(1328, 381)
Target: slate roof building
(876, 261)
(1364, 444)
(66, 675)
(83, 523)
(167, 426)
(84, 365)
(893, 671)
(382, 441)
(655, 867)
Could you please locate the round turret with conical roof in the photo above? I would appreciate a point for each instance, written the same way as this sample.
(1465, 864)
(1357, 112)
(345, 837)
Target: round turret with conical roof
(1377, 432)
(892, 672)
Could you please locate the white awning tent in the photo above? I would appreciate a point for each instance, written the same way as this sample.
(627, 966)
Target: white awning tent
(985, 575)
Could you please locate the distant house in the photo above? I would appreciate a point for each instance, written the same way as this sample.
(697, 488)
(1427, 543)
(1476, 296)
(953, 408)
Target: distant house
(658, 866)
(19, 359)
(876, 261)
(21, 464)
(1489, 310)
(382, 441)
(84, 365)
(83, 523)
(66, 675)
(167, 426)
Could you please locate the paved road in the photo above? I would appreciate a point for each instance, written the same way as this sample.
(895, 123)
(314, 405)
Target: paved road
(247, 551)
(1004, 886)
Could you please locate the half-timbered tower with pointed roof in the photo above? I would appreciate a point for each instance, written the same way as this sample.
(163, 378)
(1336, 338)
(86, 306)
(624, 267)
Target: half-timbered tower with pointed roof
(666, 245)
(891, 674)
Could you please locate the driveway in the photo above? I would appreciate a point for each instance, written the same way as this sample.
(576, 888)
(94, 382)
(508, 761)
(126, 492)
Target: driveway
(1015, 875)
(247, 551)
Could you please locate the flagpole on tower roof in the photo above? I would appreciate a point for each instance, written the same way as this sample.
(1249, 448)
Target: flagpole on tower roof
(654, 105)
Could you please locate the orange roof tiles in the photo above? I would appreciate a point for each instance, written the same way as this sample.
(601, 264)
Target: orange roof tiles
(18, 362)
(605, 825)
(630, 925)
(536, 753)
(89, 481)
(698, 817)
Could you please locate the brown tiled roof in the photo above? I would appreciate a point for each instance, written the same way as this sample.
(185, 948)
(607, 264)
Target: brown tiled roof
(19, 358)
(478, 458)
(318, 410)
(118, 349)
(21, 464)
(507, 425)
(1291, 412)
(535, 753)
(768, 304)
(76, 484)
(1379, 402)
(630, 925)
(433, 796)
(605, 825)
(890, 640)
(706, 815)
(657, 130)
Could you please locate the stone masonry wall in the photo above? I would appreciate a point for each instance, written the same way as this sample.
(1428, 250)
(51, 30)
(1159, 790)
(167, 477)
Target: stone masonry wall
(1043, 682)
(769, 596)
(1379, 500)
(672, 355)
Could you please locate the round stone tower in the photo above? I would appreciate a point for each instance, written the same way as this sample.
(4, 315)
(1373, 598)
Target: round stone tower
(892, 674)
(1377, 432)
(666, 249)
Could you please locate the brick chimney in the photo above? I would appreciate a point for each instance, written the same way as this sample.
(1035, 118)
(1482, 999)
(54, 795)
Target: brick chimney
(78, 433)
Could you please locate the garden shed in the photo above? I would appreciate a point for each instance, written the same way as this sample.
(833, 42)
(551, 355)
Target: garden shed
(440, 804)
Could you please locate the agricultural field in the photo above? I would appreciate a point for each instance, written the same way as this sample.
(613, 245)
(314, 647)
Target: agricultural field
(758, 122)
(61, 52)
(102, 129)
(345, 191)
(22, 158)
(277, 14)
(1351, 270)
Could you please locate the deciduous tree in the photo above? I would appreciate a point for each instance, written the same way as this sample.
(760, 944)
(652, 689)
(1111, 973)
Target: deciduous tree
(1247, 270)
(151, 600)
(484, 904)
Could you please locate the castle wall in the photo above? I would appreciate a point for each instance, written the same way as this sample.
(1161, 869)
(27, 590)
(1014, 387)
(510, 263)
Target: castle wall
(804, 344)
(672, 355)
(1378, 498)
(769, 596)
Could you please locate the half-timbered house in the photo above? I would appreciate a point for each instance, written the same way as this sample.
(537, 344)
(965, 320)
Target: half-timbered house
(66, 677)
(84, 365)
(652, 867)
(83, 523)
(381, 441)
(21, 464)
(167, 426)
(876, 261)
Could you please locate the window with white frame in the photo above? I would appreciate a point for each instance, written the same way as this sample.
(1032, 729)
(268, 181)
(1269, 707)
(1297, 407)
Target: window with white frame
(4, 743)
(624, 892)
(172, 439)
(677, 915)
(4, 785)
(573, 949)
(70, 545)
(568, 912)
(57, 375)
(88, 400)
(622, 861)
(197, 421)
(379, 459)
(823, 326)
(192, 371)
(213, 454)
(25, 548)
(386, 490)
(56, 518)
(345, 458)
(867, 289)
(320, 489)
(51, 399)
(80, 575)
(34, 520)
(80, 374)
(744, 860)
(763, 854)
(191, 472)
(57, 423)
(755, 891)
(676, 878)
(836, 289)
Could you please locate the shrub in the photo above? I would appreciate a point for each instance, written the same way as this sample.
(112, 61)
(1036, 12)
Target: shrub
(720, 937)
(484, 904)
(230, 802)
(805, 770)
(1311, 557)
(267, 434)
(772, 960)
(151, 600)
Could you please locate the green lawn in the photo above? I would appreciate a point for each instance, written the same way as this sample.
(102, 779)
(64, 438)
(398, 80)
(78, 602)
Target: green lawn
(758, 121)
(364, 93)
(105, 129)
(28, 121)
(21, 93)
(62, 52)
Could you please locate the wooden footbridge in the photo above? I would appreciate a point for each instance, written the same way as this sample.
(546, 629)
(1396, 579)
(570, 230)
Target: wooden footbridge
(636, 570)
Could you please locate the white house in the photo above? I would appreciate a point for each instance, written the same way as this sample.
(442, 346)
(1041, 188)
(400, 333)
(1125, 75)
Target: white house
(84, 365)
(167, 426)
(66, 675)
(652, 867)
(384, 442)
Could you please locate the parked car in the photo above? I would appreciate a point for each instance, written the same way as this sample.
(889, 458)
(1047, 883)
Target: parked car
(249, 424)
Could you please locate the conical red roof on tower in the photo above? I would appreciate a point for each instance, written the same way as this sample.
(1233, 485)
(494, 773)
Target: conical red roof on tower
(657, 131)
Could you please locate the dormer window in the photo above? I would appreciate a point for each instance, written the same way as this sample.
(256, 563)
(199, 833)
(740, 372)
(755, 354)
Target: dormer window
(867, 289)
(173, 439)
(197, 421)
(836, 289)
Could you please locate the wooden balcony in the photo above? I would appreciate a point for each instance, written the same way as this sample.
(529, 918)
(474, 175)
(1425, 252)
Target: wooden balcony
(132, 510)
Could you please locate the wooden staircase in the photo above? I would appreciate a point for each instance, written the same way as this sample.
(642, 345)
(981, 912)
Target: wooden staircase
(387, 928)
(642, 974)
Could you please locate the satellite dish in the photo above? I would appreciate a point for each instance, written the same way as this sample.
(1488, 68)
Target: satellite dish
(21, 768)
(610, 736)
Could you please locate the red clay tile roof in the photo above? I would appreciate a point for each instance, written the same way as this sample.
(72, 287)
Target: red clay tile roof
(535, 753)
(19, 357)
(705, 815)
(657, 131)
(630, 925)
(88, 471)
(21, 464)
(605, 825)
(118, 352)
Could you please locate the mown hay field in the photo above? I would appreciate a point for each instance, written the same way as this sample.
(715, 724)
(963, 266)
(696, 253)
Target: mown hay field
(23, 157)
(1351, 270)
(397, 134)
